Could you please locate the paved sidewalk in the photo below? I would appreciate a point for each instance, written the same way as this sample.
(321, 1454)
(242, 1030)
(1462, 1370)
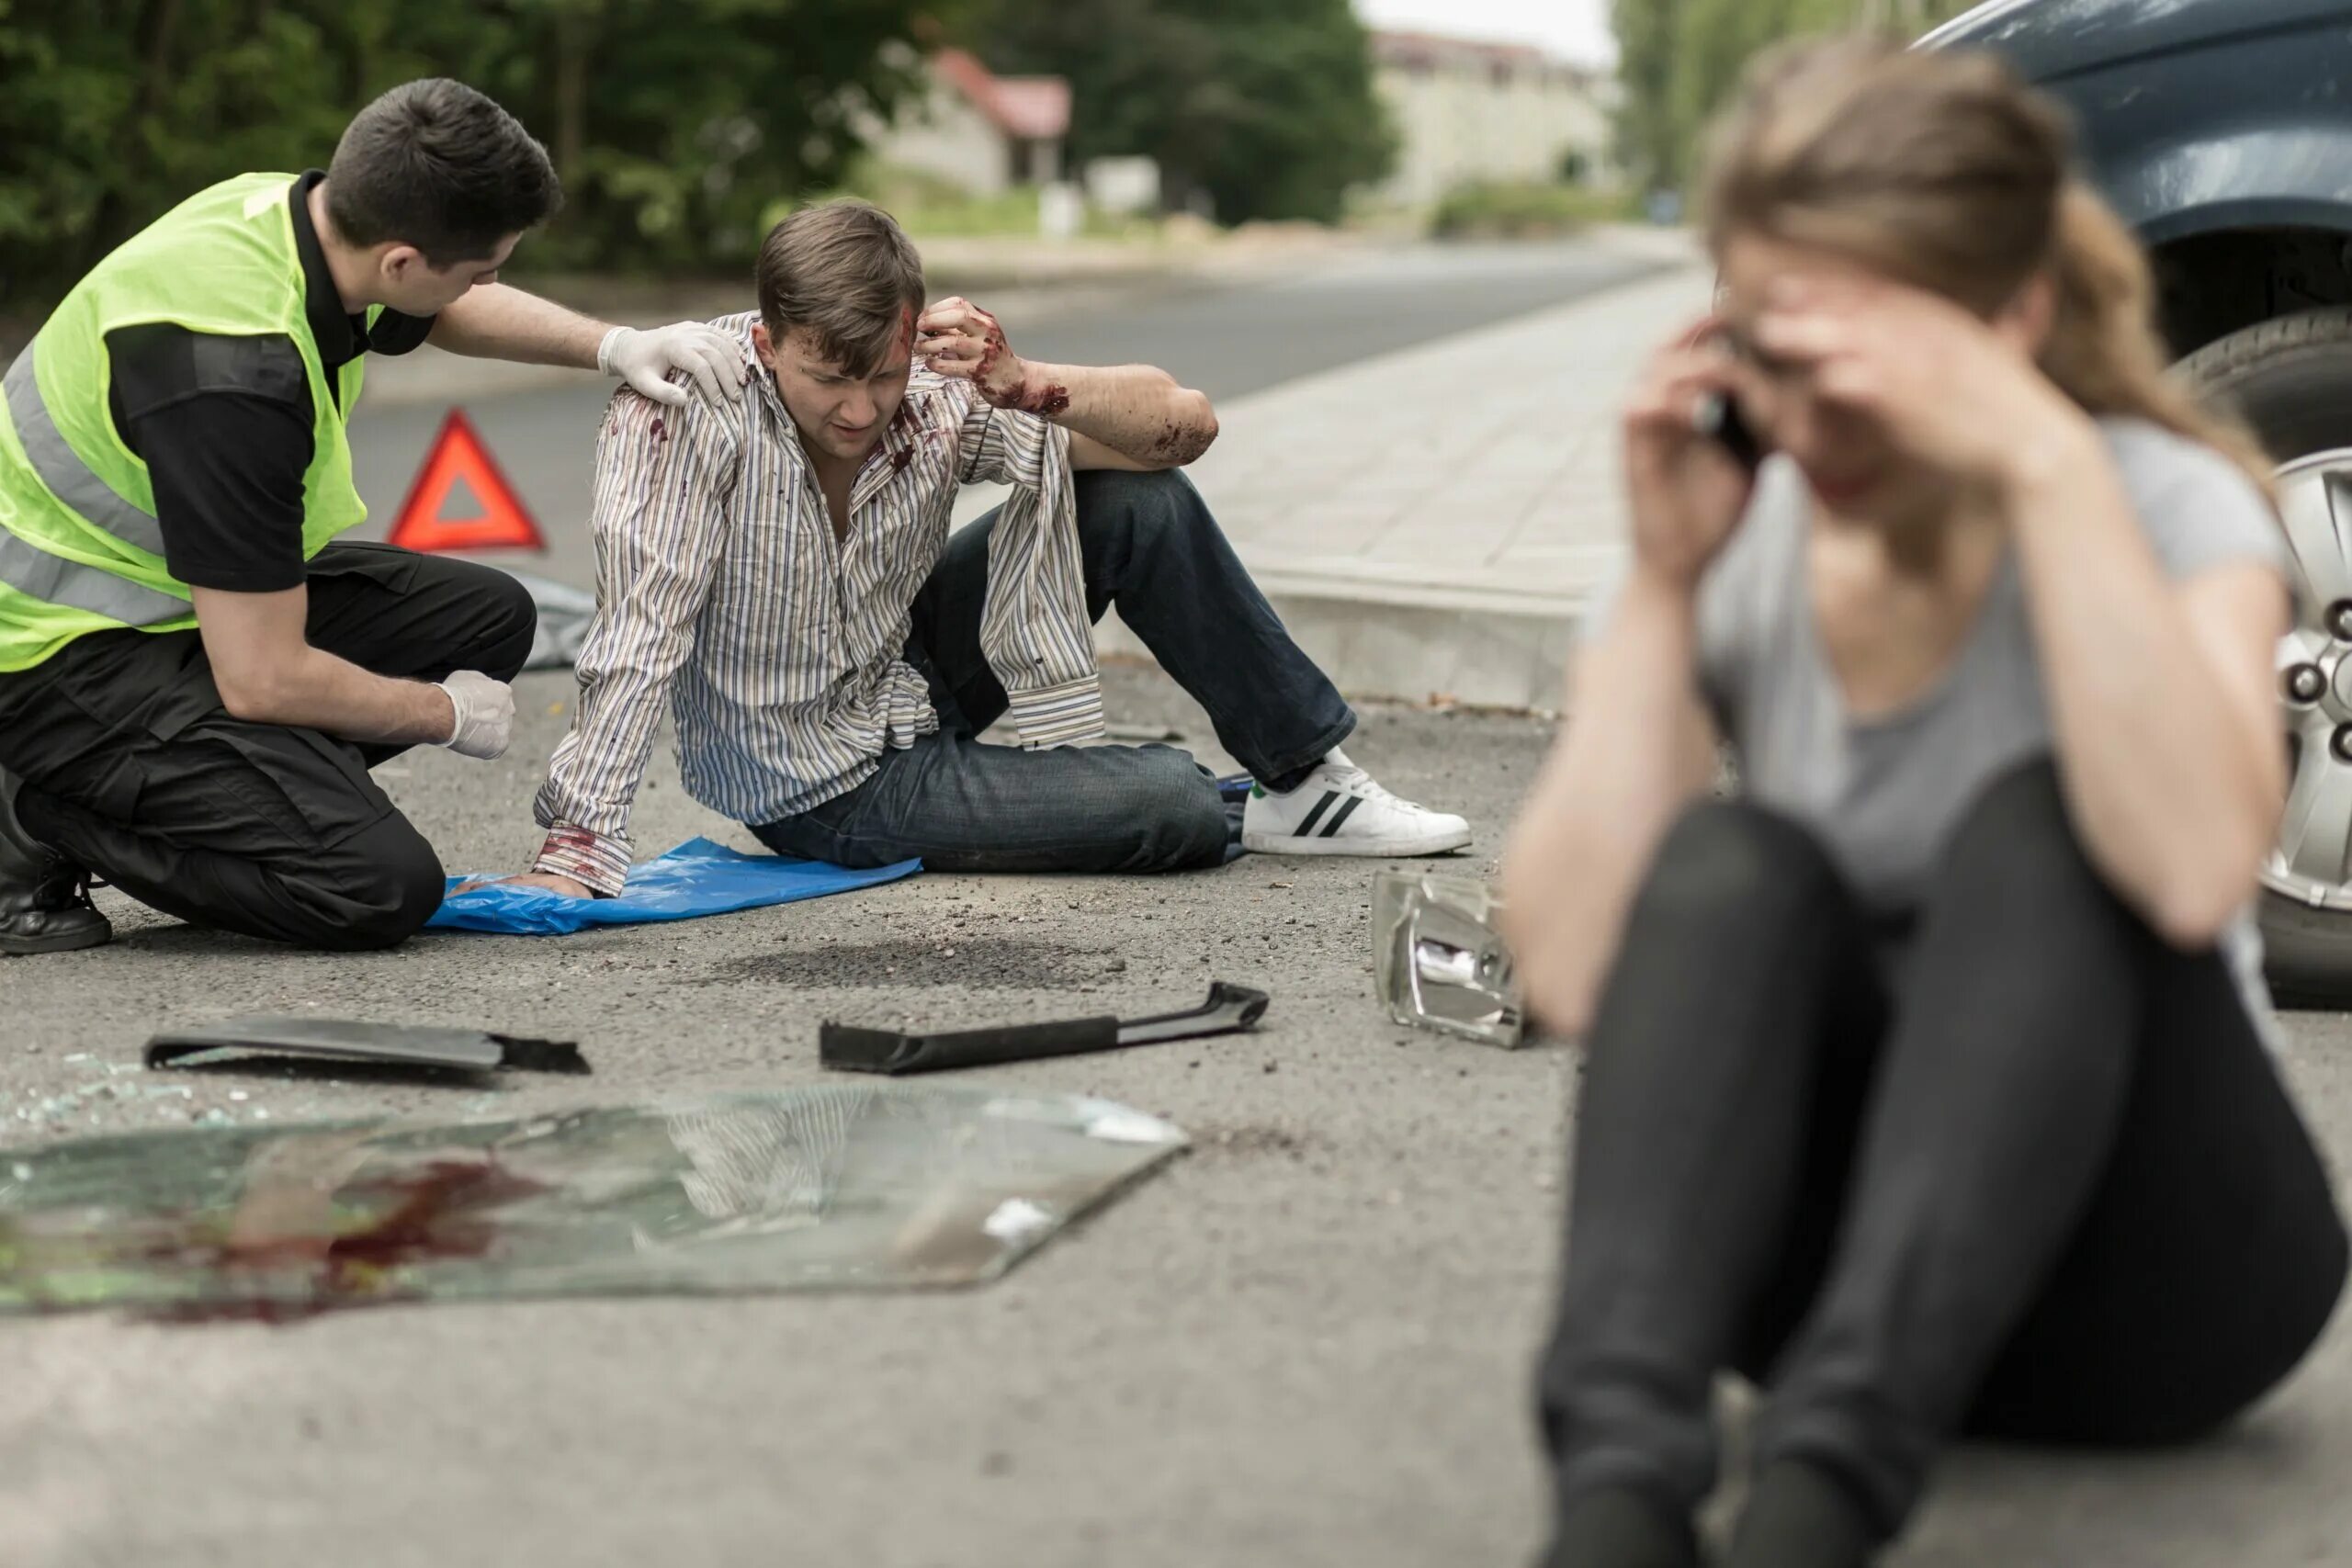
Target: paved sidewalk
(1429, 522)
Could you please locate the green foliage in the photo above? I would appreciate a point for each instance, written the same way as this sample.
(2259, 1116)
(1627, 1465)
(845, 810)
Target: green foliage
(1507, 210)
(1680, 59)
(1264, 107)
(675, 124)
(1649, 142)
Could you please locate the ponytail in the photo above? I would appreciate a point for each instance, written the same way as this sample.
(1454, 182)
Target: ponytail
(2104, 350)
(1945, 170)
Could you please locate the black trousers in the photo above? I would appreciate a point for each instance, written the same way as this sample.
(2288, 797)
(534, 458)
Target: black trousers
(2045, 1184)
(133, 768)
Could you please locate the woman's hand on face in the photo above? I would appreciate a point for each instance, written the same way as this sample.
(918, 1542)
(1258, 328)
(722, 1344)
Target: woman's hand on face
(1942, 384)
(1685, 491)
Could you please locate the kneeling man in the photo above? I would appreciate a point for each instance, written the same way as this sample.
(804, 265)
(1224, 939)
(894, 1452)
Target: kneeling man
(779, 567)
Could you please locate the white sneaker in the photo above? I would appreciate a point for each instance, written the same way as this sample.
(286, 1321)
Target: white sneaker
(1340, 810)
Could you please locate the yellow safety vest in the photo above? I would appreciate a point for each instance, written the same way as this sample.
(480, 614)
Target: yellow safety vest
(80, 548)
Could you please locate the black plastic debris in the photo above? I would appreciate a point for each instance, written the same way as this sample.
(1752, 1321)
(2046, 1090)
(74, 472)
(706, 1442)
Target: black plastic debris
(346, 1040)
(1230, 1009)
(829, 1186)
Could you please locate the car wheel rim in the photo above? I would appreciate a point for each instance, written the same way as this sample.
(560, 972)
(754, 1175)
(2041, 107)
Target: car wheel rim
(2311, 862)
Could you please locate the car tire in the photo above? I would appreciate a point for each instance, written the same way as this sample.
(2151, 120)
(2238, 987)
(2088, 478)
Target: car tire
(2303, 955)
(2291, 380)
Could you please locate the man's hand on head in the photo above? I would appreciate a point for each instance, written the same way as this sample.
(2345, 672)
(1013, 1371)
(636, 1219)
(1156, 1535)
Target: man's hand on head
(962, 342)
(1129, 416)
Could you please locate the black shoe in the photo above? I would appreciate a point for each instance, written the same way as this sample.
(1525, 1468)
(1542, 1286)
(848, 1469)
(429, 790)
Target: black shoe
(1799, 1518)
(1616, 1526)
(44, 897)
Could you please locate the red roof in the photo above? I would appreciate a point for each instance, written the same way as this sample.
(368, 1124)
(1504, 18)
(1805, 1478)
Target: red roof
(1426, 52)
(1031, 108)
(1403, 46)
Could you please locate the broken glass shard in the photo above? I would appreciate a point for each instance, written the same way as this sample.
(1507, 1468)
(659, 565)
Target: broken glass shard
(1438, 962)
(832, 1186)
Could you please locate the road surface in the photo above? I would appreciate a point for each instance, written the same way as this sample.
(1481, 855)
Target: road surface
(1226, 341)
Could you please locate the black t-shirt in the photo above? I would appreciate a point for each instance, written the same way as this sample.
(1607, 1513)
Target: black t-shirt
(225, 425)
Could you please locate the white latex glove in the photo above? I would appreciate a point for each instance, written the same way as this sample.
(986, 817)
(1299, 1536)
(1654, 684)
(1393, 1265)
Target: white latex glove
(485, 710)
(645, 358)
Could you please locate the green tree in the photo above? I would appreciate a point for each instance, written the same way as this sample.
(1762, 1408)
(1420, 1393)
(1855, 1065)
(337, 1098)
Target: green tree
(1680, 59)
(1265, 107)
(1648, 141)
(677, 125)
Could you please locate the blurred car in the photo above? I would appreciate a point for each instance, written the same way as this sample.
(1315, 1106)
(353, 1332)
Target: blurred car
(2222, 130)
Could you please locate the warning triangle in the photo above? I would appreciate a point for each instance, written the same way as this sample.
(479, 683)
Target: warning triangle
(461, 502)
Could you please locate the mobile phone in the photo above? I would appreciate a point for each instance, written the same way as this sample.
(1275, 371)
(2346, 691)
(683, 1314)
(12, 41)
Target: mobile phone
(1718, 418)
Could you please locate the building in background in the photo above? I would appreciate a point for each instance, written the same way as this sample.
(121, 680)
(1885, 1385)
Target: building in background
(979, 132)
(1468, 111)
(1122, 185)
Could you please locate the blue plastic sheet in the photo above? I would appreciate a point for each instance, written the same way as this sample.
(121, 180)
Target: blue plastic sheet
(698, 877)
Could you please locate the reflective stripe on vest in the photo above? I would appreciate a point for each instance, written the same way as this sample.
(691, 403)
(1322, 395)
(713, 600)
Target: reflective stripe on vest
(84, 552)
(62, 468)
(32, 570)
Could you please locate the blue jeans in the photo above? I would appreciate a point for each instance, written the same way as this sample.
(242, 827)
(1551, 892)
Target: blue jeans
(1151, 547)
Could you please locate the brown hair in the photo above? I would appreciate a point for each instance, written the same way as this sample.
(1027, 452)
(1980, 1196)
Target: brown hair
(1945, 171)
(436, 164)
(848, 274)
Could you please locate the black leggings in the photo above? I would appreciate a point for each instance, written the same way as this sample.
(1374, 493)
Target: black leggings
(2045, 1186)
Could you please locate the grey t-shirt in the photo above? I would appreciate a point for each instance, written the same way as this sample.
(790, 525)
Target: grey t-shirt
(1886, 794)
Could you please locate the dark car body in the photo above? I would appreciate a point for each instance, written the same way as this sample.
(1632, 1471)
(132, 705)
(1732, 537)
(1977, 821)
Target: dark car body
(2220, 129)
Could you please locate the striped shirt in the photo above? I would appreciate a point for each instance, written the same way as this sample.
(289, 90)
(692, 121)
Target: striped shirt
(721, 586)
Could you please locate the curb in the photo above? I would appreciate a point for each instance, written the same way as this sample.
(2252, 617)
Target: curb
(1374, 650)
(1418, 628)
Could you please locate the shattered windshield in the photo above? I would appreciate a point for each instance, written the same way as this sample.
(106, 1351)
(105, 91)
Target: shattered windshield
(827, 1186)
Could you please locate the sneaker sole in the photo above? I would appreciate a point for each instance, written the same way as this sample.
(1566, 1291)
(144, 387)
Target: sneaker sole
(1362, 849)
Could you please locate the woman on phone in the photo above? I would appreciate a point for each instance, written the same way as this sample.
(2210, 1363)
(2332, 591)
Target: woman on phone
(1928, 1083)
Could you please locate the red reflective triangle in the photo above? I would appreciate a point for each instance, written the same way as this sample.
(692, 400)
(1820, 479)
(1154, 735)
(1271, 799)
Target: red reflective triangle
(502, 522)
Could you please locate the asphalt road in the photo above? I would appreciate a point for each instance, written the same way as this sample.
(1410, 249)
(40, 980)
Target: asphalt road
(1307, 1342)
(1226, 340)
(1304, 1344)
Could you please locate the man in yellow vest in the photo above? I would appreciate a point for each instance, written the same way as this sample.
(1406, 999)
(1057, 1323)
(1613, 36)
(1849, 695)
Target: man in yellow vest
(194, 681)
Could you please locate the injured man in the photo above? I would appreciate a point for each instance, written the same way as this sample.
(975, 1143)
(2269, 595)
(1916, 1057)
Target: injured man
(779, 567)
